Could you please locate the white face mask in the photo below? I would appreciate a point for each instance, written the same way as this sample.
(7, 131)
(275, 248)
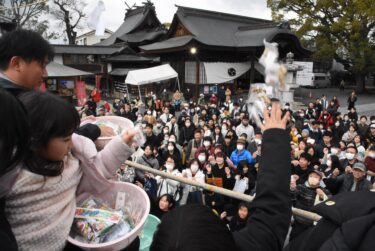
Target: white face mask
(334, 151)
(329, 163)
(371, 155)
(170, 148)
(169, 167)
(194, 168)
(337, 124)
(224, 131)
(239, 147)
(207, 133)
(258, 141)
(350, 156)
(206, 143)
(187, 124)
(202, 158)
(313, 181)
(165, 131)
(148, 112)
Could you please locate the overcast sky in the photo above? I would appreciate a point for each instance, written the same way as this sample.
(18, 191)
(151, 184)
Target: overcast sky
(165, 9)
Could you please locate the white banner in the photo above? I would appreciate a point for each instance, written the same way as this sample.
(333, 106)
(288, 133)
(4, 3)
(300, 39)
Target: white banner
(220, 72)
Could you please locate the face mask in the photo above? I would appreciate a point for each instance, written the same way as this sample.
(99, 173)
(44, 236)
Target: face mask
(313, 181)
(172, 140)
(207, 133)
(372, 155)
(258, 141)
(165, 131)
(334, 151)
(170, 148)
(206, 143)
(194, 168)
(201, 123)
(224, 131)
(337, 124)
(329, 163)
(169, 167)
(187, 124)
(166, 139)
(239, 147)
(350, 156)
(202, 158)
(148, 112)
(286, 107)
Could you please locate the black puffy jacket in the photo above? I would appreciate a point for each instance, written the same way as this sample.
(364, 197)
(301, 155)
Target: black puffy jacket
(348, 224)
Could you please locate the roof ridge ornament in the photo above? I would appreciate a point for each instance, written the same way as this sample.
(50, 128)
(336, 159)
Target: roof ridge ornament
(284, 25)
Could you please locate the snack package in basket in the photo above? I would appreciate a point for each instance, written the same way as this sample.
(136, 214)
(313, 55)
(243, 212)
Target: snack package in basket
(96, 222)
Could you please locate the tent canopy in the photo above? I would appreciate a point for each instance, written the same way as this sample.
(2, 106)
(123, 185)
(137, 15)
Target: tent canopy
(150, 75)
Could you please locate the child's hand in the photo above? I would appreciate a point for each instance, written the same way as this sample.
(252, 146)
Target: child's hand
(128, 137)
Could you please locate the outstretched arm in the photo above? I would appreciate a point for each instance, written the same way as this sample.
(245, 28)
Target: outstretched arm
(271, 209)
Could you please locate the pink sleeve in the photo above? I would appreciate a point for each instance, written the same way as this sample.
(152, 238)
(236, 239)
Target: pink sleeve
(108, 160)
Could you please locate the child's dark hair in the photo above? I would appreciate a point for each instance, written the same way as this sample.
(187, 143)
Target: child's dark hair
(244, 204)
(49, 116)
(28, 45)
(14, 132)
(169, 198)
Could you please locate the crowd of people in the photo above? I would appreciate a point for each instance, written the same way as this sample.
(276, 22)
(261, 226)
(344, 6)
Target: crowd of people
(315, 159)
(214, 142)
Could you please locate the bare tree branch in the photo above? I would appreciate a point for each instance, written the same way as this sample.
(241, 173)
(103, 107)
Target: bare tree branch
(70, 14)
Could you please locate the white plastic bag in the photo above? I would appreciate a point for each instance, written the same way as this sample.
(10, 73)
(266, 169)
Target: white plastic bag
(240, 186)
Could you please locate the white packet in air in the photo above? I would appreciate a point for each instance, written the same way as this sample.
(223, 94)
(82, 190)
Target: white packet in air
(139, 138)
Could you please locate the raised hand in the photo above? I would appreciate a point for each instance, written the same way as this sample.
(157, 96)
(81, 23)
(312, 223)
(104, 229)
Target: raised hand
(128, 137)
(274, 119)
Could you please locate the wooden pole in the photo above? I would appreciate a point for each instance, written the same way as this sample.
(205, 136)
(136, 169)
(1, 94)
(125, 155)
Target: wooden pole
(219, 190)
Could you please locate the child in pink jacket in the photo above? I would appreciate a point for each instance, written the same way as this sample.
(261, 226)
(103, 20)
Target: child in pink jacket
(60, 166)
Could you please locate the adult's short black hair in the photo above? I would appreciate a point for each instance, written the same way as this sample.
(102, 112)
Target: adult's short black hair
(305, 156)
(14, 132)
(328, 134)
(28, 45)
(353, 147)
(149, 126)
(197, 131)
(207, 138)
(192, 227)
